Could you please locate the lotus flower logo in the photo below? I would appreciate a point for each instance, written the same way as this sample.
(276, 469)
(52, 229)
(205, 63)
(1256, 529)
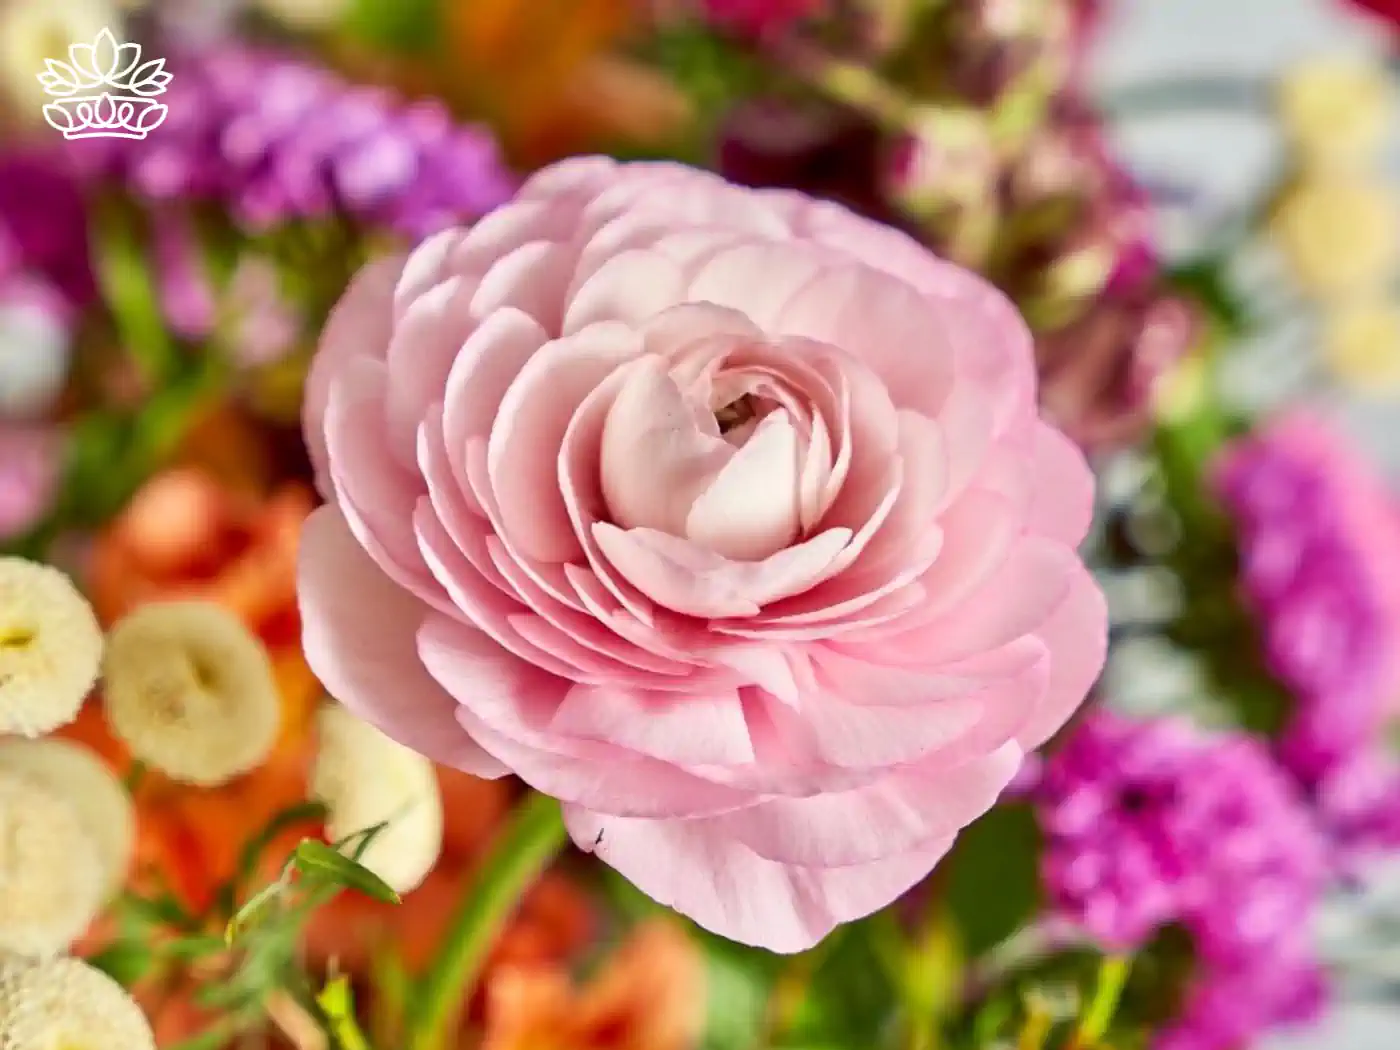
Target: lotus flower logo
(105, 91)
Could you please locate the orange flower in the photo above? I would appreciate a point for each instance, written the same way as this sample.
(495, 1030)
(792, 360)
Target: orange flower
(649, 996)
(186, 536)
(522, 57)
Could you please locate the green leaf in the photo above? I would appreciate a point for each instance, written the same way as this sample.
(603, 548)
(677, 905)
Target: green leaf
(338, 1005)
(408, 26)
(128, 289)
(320, 862)
(126, 962)
(253, 911)
(164, 910)
(299, 813)
(1207, 281)
(848, 994)
(739, 988)
(992, 880)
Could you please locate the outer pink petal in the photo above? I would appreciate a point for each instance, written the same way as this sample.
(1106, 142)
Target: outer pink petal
(1077, 636)
(358, 631)
(359, 326)
(914, 804)
(1062, 500)
(507, 704)
(688, 729)
(695, 868)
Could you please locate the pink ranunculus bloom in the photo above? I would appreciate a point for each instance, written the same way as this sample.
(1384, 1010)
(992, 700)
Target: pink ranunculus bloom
(724, 516)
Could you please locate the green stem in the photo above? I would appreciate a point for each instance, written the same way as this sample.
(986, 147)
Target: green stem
(530, 841)
(1113, 975)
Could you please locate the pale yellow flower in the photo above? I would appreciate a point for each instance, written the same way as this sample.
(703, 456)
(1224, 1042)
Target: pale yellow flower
(1361, 345)
(304, 14)
(33, 31)
(65, 1004)
(71, 771)
(50, 648)
(50, 872)
(191, 691)
(1181, 391)
(1337, 111)
(366, 779)
(1341, 236)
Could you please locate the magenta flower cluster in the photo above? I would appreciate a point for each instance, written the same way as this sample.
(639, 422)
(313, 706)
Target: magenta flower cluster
(1153, 823)
(276, 139)
(1319, 551)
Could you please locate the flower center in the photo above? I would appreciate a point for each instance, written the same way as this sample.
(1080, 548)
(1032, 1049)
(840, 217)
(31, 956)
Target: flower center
(736, 413)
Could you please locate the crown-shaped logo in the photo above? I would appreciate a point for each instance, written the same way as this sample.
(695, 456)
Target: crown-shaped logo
(105, 91)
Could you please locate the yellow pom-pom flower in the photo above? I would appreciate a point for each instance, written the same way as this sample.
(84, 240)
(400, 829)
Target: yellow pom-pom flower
(1341, 236)
(65, 1004)
(366, 779)
(1336, 111)
(1361, 345)
(50, 648)
(191, 692)
(76, 774)
(50, 874)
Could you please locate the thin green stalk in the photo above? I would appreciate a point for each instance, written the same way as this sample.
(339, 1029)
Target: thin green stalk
(1113, 975)
(533, 837)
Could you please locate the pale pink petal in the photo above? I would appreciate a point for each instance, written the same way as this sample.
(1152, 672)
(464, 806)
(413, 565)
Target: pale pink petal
(526, 440)
(993, 346)
(654, 461)
(678, 575)
(507, 228)
(358, 631)
(1077, 636)
(530, 279)
(506, 704)
(750, 510)
(424, 346)
(370, 484)
(678, 327)
(630, 287)
(758, 280)
(696, 868)
(426, 266)
(484, 369)
(978, 533)
(1062, 503)
(360, 325)
(908, 806)
(692, 729)
(1014, 601)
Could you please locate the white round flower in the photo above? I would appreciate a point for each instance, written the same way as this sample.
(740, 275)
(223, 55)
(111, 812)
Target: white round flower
(50, 648)
(89, 785)
(65, 1004)
(50, 872)
(191, 691)
(366, 779)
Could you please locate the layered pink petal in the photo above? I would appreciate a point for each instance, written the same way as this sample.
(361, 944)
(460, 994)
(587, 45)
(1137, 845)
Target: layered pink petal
(358, 636)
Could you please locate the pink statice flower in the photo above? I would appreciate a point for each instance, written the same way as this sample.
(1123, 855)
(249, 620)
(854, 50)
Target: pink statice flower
(724, 516)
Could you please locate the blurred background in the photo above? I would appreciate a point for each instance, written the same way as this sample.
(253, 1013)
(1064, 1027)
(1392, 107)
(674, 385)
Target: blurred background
(1194, 204)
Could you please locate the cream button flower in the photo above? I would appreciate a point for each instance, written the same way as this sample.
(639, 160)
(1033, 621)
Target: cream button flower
(366, 779)
(1336, 111)
(191, 691)
(50, 648)
(50, 873)
(77, 775)
(1361, 345)
(1340, 236)
(65, 1004)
